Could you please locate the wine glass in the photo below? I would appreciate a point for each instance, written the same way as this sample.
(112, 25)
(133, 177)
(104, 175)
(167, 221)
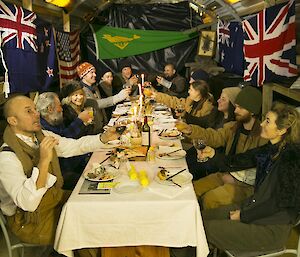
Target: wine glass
(120, 127)
(200, 144)
(179, 111)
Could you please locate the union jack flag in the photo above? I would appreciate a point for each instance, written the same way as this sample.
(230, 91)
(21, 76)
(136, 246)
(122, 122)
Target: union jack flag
(68, 51)
(223, 32)
(15, 24)
(27, 43)
(230, 44)
(269, 44)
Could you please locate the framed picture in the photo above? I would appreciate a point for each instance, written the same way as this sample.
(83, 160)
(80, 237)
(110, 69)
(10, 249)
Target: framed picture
(207, 43)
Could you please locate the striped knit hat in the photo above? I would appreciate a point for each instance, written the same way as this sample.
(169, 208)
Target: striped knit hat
(84, 69)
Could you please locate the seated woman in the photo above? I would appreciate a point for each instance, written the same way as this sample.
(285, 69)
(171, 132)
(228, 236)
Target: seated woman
(106, 89)
(73, 103)
(199, 103)
(263, 221)
(225, 114)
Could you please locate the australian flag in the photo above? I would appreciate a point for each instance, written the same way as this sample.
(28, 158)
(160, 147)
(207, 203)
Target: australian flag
(230, 42)
(270, 44)
(27, 44)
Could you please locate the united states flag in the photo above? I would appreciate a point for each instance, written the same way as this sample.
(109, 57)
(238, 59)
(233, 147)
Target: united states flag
(270, 44)
(68, 51)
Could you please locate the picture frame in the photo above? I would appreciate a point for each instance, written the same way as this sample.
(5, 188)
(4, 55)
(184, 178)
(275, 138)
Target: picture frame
(207, 43)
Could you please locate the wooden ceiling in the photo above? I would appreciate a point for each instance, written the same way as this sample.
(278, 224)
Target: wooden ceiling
(82, 12)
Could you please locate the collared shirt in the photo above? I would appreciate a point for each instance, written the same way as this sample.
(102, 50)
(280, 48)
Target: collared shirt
(16, 190)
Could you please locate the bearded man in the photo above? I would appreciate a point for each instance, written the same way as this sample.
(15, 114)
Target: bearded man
(238, 136)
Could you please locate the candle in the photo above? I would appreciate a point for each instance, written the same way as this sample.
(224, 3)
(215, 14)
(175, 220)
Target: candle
(143, 78)
(140, 89)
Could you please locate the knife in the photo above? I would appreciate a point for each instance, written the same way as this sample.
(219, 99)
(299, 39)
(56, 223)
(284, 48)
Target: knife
(168, 178)
(164, 154)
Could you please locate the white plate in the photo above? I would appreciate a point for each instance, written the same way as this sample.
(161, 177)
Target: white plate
(173, 156)
(181, 179)
(114, 143)
(165, 119)
(127, 187)
(109, 174)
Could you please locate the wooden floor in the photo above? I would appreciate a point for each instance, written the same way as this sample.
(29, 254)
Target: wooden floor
(34, 252)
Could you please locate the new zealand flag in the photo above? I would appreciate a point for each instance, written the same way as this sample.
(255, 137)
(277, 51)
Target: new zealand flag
(230, 42)
(270, 44)
(27, 44)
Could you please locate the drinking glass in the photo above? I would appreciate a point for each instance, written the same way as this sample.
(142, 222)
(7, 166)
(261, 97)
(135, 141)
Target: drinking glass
(200, 144)
(90, 111)
(180, 110)
(120, 127)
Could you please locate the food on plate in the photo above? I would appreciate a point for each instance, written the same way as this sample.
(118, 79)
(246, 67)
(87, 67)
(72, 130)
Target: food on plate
(170, 133)
(162, 174)
(100, 173)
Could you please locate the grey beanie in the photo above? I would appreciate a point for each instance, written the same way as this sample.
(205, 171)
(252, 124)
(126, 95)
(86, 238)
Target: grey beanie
(250, 99)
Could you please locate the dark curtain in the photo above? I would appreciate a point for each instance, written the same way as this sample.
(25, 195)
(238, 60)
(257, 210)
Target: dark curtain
(167, 17)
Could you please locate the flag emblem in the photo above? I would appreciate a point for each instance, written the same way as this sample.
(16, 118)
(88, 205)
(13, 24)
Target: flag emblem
(120, 42)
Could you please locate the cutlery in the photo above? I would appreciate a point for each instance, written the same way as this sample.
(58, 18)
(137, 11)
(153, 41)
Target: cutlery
(168, 178)
(175, 183)
(105, 159)
(161, 132)
(168, 154)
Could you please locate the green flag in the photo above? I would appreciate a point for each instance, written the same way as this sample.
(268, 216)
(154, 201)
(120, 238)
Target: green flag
(118, 42)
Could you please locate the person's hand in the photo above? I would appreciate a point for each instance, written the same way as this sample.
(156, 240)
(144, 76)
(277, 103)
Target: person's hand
(127, 91)
(109, 135)
(159, 80)
(147, 84)
(183, 127)
(84, 116)
(133, 80)
(207, 152)
(46, 148)
(235, 215)
(228, 179)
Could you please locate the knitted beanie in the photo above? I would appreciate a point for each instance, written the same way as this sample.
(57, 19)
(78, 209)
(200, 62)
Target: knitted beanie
(70, 88)
(232, 93)
(123, 64)
(103, 71)
(250, 99)
(200, 75)
(84, 69)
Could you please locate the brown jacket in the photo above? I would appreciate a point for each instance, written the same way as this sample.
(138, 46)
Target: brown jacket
(173, 102)
(223, 137)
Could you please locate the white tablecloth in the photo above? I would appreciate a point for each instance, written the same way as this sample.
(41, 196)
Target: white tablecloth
(133, 219)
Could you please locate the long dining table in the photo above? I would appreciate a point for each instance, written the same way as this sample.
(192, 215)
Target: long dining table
(155, 215)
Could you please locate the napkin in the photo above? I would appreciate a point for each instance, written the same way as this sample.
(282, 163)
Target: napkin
(167, 191)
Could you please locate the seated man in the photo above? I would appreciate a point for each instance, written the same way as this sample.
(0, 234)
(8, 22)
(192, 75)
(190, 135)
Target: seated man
(173, 84)
(126, 79)
(87, 75)
(49, 107)
(31, 193)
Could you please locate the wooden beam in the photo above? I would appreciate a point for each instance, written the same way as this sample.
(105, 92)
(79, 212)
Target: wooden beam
(66, 21)
(27, 4)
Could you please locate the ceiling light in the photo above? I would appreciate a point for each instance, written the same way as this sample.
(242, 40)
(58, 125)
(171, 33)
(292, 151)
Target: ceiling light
(232, 1)
(59, 3)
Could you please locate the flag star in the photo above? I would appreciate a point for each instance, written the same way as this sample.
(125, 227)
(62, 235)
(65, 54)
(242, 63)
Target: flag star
(222, 56)
(232, 44)
(47, 43)
(49, 72)
(46, 32)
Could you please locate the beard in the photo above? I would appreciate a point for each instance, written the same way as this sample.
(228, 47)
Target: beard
(243, 118)
(55, 118)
